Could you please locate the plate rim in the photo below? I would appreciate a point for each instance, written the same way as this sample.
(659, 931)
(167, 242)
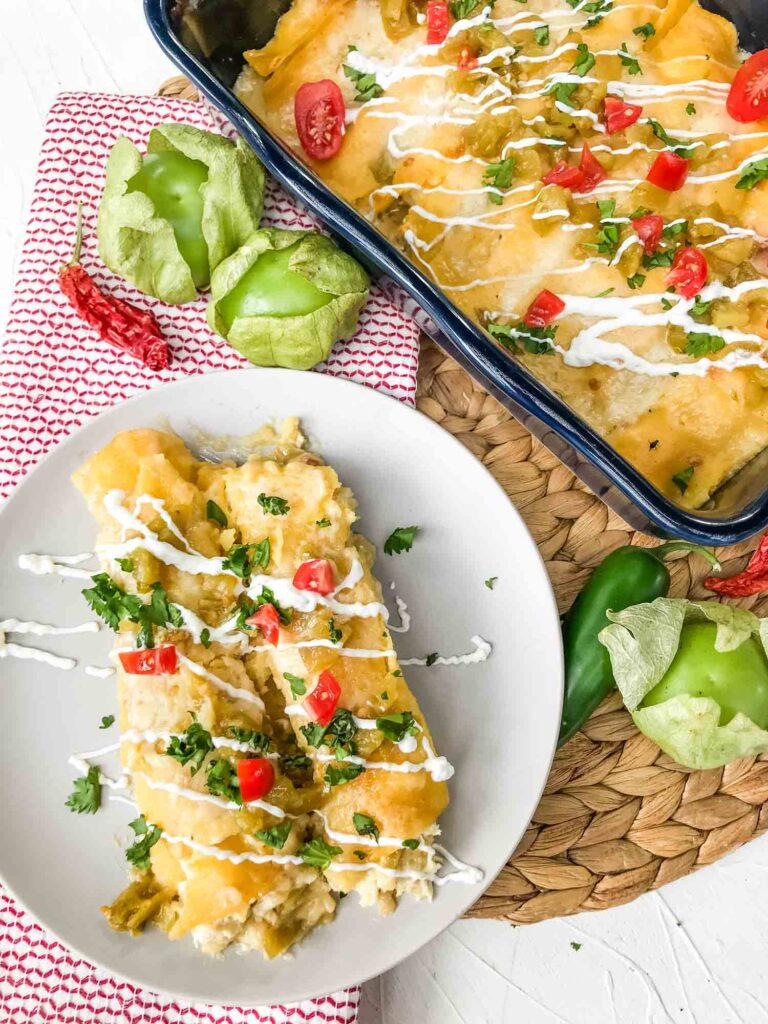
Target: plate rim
(327, 379)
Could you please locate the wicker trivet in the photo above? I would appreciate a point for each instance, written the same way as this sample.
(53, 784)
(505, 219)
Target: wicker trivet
(618, 817)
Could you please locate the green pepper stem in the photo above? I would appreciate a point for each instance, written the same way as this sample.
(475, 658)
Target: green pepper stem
(683, 545)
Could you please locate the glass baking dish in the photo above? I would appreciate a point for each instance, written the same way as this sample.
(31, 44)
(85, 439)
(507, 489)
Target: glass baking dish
(738, 509)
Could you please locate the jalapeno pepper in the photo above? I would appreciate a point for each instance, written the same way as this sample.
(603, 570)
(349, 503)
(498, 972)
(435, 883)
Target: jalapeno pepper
(629, 575)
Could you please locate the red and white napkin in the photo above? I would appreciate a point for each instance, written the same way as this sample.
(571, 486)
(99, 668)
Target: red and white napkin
(54, 375)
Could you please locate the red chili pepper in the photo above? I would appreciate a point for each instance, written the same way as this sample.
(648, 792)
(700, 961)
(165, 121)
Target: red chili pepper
(467, 59)
(268, 621)
(152, 661)
(255, 776)
(649, 230)
(669, 171)
(620, 115)
(752, 580)
(592, 171)
(315, 575)
(689, 271)
(438, 22)
(324, 699)
(563, 174)
(116, 321)
(545, 308)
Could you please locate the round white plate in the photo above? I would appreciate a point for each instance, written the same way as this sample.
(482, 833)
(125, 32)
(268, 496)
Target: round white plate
(497, 722)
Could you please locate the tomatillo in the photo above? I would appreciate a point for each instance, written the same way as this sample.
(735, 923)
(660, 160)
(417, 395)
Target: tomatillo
(167, 219)
(694, 675)
(172, 181)
(285, 297)
(271, 288)
(737, 680)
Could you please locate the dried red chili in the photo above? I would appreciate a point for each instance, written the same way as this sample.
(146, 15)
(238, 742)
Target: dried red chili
(116, 321)
(753, 579)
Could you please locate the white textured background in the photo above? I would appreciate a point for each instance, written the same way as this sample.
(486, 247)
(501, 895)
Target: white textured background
(695, 953)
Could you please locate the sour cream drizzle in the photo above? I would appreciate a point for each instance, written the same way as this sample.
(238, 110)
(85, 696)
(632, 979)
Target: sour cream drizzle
(56, 565)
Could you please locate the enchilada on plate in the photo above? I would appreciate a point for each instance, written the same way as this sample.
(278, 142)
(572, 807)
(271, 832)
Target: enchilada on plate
(268, 738)
(585, 178)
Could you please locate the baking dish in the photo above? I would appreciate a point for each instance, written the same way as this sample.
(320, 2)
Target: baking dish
(737, 510)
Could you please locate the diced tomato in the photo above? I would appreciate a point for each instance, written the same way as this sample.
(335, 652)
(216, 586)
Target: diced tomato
(669, 171)
(689, 271)
(268, 621)
(620, 115)
(565, 175)
(748, 98)
(320, 115)
(592, 171)
(315, 575)
(256, 776)
(438, 22)
(649, 230)
(324, 699)
(150, 661)
(467, 59)
(545, 308)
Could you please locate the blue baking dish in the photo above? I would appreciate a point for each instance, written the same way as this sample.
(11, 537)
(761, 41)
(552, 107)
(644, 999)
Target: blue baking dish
(738, 510)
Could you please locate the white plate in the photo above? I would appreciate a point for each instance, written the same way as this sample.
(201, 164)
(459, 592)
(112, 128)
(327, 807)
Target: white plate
(497, 722)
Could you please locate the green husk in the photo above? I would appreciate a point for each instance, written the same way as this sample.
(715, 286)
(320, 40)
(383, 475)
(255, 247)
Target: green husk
(297, 342)
(141, 247)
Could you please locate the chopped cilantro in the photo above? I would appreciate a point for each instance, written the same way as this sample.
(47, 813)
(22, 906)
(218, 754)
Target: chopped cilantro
(126, 564)
(683, 478)
(138, 854)
(576, 946)
(216, 514)
(431, 659)
(334, 633)
(85, 797)
(491, 582)
(584, 62)
(401, 539)
(646, 31)
(632, 64)
(681, 149)
(661, 258)
(275, 836)
(653, 444)
(221, 780)
(272, 505)
(395, 725)
(384, 695)
(298, 686)
(106, 721)
(360, 854)
(191, 746)
(110, 602)
(563, 92)
(411, 844)
(702, 344)
(397, 673)
(295, 762)
(675, 228)
(365, 825)
(205, 637)
(366, 86)
(255, 740)
(242, 559)
(700, 307)
(322, 523)
(541, 35)
(318, 854)
(753, 173)
(535, 340)
(690, 109)
(636, 281)
(499, 177)
(666, 304)
(598, 9)
(338, 774)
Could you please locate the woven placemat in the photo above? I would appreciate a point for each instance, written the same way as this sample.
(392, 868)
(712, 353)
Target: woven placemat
(618, 817)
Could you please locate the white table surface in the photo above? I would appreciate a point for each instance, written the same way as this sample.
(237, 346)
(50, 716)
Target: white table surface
(696, 952)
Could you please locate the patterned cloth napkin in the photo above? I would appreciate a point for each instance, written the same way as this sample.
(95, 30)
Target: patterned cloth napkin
(54, 375)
